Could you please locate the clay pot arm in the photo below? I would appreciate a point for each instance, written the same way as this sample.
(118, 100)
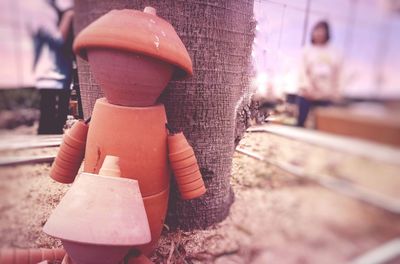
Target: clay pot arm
(185, 167)
(70, 155)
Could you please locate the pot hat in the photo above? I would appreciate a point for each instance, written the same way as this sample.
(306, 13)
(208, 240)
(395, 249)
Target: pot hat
(137, 32)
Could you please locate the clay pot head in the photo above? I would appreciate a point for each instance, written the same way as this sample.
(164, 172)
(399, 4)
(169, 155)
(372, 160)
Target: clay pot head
(100, 219)
(133, 55)
(129, 79)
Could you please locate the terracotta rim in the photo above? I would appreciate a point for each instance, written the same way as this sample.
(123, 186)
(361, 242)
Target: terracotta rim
(78, 130)
(65, 155)
(59, 161)
(181, 164)
(188, 178)
(71, 170)
(194, 194)
(191, 186)
(188, 170)
(177, 142)
(67, 158)
(184, 154)
(73, 142)
(62, 179)
(71, 147)
(62, 169)
(62, 175)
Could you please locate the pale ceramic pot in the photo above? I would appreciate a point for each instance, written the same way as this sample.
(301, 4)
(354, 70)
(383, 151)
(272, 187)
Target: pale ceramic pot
(99, 219)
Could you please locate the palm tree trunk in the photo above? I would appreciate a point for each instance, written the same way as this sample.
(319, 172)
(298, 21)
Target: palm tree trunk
(218, 36)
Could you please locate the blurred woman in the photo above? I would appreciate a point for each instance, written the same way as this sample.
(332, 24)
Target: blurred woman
(52, 33)
(319, 73)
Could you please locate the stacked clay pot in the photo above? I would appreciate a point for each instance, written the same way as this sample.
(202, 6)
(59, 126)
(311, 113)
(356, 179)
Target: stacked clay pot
(133, 55)
(184, 165)
(70, 155)
(137, 135)
(30, 256)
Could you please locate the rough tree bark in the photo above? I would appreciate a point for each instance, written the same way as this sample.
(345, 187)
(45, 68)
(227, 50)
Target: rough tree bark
(218, 36)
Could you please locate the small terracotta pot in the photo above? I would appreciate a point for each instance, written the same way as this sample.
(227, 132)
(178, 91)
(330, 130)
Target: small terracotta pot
(30, 256)
(129, 79)
(110, 167)
(184, 165)
(71, 153)
(185, 171)
(184, 154)
(194, 194)
(181, 164)
(191, 186)
(102, 232)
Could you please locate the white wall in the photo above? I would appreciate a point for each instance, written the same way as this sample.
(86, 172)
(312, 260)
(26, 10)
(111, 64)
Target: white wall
(16, 50)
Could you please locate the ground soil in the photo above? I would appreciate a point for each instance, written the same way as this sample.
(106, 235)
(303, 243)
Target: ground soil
(276, 217)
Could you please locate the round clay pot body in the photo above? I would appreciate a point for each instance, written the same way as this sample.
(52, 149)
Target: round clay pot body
(138, 136)
(129, 79)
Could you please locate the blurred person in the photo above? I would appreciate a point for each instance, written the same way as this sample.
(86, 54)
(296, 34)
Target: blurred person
(51, 27)
(318, 74)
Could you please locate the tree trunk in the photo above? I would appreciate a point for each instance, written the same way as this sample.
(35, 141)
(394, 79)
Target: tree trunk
(218, 36)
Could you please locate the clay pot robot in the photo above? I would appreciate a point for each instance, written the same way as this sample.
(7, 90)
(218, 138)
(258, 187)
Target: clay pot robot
(133, 55)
